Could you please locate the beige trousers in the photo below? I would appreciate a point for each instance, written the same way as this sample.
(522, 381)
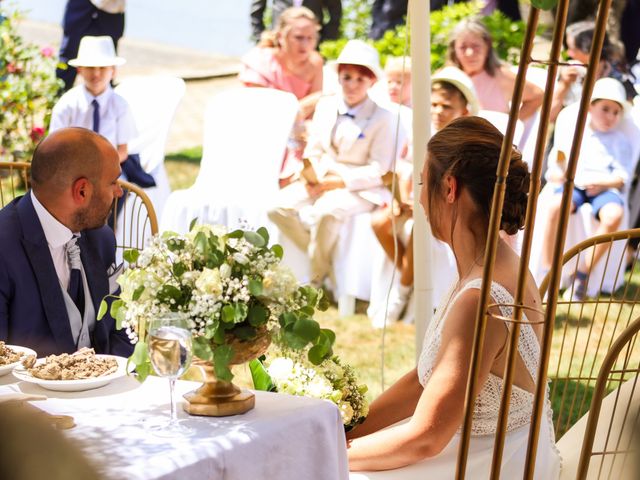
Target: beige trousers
(314, 224)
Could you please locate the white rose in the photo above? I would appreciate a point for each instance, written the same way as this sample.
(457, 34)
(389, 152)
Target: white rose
(209, 282)
(133, 279)
(280, 369)
(240, 258)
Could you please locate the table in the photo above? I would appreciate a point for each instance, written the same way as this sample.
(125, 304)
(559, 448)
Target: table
(284, 437)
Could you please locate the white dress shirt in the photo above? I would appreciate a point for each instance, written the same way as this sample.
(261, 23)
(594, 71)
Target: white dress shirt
(74, 109)
(57, 236)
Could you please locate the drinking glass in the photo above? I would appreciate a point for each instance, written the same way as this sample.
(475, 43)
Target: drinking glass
(169, 344)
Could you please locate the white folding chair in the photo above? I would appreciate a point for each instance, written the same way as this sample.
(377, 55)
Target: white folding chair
(245, 138)
(153, 101)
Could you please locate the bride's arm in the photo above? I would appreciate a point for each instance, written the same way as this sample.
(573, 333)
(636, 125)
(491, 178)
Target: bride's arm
(440, 409)
(396, 403)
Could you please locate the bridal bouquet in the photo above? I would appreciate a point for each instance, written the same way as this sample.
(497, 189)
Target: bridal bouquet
(290, 371)
(232, 287)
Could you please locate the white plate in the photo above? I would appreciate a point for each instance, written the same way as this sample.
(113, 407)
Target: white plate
(73, 385)
(5, 369)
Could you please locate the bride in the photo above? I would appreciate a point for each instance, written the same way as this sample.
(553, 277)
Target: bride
(415, 425)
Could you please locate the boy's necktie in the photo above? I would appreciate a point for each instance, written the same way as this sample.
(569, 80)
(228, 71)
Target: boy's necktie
(96, 115)
(76, 288)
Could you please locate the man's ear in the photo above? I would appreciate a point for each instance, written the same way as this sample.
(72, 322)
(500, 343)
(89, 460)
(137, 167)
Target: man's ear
(451, 185)
(81, 191)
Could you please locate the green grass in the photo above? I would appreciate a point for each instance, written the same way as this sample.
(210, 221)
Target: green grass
(361, 346)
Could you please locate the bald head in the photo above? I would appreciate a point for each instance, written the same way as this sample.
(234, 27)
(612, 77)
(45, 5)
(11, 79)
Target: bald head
(66, 155)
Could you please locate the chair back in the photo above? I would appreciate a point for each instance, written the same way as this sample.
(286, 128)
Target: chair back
(245, 139)
(586, 330)
(137, 221)
(14, 180)
(153, 101)
(609, 433)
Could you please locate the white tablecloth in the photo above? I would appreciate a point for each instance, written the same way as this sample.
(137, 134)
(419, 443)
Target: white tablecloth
(284, 437)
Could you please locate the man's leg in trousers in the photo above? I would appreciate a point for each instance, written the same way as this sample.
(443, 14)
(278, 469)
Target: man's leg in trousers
(288, 221)
(324, 237)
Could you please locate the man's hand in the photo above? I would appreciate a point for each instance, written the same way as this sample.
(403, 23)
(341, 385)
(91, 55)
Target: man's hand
(593, 190)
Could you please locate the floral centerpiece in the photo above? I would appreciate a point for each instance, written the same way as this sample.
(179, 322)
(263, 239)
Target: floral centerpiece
(289, 371)
(232, 287)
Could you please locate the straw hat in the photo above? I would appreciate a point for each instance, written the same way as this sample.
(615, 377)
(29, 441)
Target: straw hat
(97, 52)
(462, 82)
(609, 89)
(357, 52)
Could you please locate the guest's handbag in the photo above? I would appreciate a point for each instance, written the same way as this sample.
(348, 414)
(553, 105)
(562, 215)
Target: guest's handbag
(134, 173)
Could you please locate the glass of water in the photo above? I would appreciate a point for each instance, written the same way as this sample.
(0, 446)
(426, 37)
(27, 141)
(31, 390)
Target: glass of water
(169, 344)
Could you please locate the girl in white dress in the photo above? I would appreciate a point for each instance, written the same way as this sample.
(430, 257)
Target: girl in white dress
(415, 425)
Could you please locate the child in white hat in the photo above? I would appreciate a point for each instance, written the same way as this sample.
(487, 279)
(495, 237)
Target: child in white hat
(604, 170)
(350, 146)
(96, 106)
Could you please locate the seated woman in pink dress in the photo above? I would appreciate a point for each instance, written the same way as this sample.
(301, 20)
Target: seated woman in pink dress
(471, 50)
(286, 59)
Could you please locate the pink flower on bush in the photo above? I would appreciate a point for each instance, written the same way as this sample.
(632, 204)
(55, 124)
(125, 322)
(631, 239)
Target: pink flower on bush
(47, 52)
(12, 68)
(36, 134)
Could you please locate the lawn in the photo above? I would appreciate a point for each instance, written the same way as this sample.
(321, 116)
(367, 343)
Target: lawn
(361, 346)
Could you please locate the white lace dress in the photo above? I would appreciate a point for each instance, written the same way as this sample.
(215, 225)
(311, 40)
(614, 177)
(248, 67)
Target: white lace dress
(485, 416)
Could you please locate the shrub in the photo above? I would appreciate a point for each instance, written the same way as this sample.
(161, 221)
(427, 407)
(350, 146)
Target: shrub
(28, 90)
(507, 35)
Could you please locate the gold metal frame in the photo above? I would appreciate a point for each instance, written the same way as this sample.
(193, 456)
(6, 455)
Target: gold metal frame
(14, 180)
(581, 343)
(137, 218)
(616, 369)
(493, 232)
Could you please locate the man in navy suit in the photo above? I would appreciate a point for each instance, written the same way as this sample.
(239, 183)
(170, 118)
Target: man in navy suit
(74, 175)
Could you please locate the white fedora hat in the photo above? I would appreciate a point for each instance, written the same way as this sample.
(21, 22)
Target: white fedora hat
(357, 52)
(462, 82)
(96, 52)
(610, 89)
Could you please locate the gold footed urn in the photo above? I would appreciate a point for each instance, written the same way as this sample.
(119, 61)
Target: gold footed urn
(218, 398)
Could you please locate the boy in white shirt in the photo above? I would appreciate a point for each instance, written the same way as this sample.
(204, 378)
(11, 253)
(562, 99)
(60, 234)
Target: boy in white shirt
(604, 170)
(96, 106)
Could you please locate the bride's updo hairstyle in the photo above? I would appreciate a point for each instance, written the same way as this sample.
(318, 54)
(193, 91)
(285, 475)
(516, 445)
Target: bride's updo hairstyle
(468, 149)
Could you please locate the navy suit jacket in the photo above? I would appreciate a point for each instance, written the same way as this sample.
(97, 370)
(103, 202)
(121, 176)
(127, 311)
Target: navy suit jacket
(32, 309)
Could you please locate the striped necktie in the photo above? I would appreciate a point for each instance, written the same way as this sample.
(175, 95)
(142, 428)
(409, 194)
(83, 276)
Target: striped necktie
(76, 287)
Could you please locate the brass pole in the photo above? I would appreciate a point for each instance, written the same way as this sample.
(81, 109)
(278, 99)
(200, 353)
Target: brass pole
(534, 190)
(558, 247)
(492, 243)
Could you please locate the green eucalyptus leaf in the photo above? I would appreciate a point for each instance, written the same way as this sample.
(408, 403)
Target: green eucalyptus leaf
(255, 287)
(201, 243)
(228, 314)
(291, 339)
(202, 348)
(277, 251)
(102, 311)
(131, 255)
(117, 312)
(328, 336)
(306, 329)
(140, 354)
(264, 233)
(257, 315)
(255, 239)
(235, 234)
(178, 269)
(241, 311)
(287, 318)
(193, 223)
(137, 293)
(323, 303)
(143, 371)
(222, 356)
(317, 354)
(175, 244)
(261, 378)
